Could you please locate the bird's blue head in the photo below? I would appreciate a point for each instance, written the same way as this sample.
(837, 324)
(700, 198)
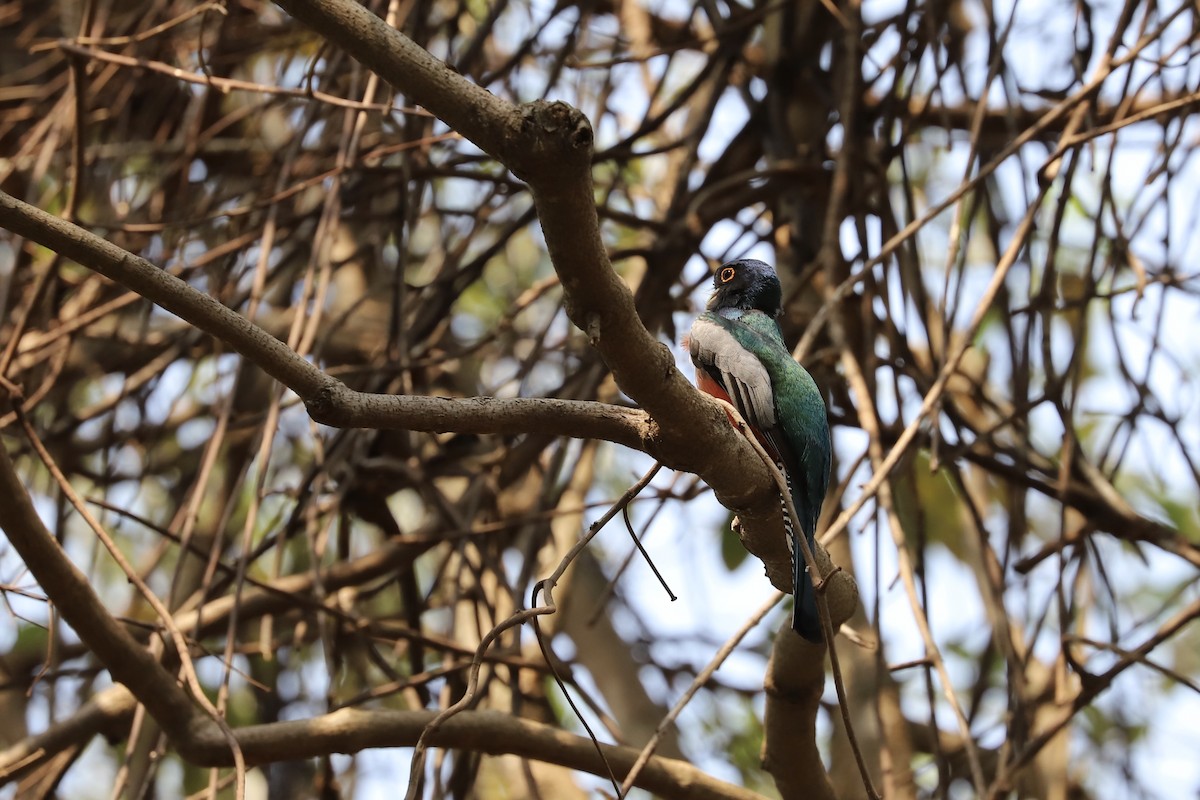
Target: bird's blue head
(746, 284)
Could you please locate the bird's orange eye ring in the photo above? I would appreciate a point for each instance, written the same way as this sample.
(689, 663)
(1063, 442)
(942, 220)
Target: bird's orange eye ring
(727, 274)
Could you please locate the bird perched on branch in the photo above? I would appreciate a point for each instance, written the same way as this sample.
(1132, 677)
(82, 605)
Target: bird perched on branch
(740, 357)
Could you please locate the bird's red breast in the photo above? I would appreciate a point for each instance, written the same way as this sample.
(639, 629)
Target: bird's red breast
(706, 384)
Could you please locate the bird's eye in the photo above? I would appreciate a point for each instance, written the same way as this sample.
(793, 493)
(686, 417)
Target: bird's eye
(727, 274)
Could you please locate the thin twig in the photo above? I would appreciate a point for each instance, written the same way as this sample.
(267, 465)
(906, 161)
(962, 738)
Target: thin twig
(546, 586)
(697, 683)
(232, 84)
(637, 542)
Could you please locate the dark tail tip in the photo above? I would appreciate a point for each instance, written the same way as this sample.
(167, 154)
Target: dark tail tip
(805, 619)
(807, 624)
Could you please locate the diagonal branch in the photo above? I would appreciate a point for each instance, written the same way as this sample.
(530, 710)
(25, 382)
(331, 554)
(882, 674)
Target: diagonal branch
(549, 145)
(198, 738)
(125, 658)
(328, 400)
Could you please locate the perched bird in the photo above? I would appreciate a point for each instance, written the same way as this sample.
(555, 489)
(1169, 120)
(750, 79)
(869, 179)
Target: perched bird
(740, 357)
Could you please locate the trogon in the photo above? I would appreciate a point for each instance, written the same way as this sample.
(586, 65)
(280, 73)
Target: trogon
(740, 357)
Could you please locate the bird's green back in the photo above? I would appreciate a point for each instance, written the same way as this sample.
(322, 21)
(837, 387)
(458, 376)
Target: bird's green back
(800, 410)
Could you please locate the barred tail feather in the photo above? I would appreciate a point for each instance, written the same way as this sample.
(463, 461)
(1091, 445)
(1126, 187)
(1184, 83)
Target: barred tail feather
(805, 619)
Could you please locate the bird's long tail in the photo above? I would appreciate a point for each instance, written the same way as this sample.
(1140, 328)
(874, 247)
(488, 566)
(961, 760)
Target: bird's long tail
(805, 620)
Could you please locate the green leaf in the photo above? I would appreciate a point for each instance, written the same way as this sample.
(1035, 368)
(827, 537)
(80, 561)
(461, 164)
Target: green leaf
(732, 551)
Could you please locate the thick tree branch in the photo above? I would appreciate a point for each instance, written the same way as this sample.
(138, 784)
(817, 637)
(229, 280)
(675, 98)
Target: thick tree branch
(328, 400)
(127, 660)
(549, 145)
(350, 730)
(346, 731)
(794, 682)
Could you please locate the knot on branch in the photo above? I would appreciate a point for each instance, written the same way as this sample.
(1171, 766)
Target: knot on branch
(558, 120)
(555, 135)
(327, 405)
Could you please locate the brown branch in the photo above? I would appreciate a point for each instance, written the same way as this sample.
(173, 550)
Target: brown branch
(550, 146)
(997, 126)
(346, 731)
(328, 400)
(351, 730)
(107, 712)
(794, 683)
(127, 661)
